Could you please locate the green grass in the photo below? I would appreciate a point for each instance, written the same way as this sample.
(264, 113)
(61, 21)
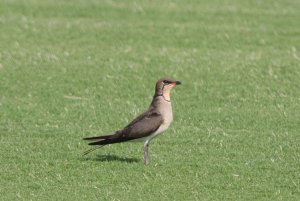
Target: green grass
(72, 69)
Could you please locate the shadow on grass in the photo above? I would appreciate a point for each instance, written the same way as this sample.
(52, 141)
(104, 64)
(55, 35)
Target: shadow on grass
(108, 158)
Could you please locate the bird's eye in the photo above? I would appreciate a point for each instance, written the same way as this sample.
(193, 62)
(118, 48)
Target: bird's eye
(166, 82)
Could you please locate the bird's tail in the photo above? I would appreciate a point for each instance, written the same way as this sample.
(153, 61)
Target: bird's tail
(100, 141)
(97, 138)
(92, 149)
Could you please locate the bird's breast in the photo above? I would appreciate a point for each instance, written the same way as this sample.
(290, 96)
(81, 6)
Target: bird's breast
(167, 114)
(164, 126)
(165, 109)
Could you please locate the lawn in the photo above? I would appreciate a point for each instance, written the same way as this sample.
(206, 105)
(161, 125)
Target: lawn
(73, 69)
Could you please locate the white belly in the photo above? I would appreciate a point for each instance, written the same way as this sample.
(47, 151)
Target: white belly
(162, 128)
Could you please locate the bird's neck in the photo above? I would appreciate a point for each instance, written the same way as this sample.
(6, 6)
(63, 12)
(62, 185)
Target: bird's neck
(164, 93)
(160, 100)
(163, 107)
(166, 97)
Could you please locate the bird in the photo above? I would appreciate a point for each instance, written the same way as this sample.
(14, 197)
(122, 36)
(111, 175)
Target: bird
(148, 125)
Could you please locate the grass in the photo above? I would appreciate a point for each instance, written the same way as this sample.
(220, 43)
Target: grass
(71, 69)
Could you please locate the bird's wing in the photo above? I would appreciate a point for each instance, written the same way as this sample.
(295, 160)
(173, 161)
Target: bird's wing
(142, 126)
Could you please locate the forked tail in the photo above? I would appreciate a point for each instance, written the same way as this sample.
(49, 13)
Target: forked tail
(92, 149)
(98, 140)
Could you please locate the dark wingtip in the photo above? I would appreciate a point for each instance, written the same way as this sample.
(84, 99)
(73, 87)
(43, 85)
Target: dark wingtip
(97, 137)
(97, 143)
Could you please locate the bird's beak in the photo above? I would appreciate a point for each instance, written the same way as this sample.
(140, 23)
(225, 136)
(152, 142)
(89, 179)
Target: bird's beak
(177, 83)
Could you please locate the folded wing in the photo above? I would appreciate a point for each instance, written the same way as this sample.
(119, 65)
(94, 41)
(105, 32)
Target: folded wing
(143, 126)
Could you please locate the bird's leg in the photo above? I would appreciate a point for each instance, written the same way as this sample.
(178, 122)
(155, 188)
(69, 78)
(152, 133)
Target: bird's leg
(146, 159)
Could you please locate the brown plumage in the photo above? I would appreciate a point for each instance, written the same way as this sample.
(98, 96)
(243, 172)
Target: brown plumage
(148, 124)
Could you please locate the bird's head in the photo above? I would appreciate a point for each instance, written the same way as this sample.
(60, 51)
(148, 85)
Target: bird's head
(164, 86)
